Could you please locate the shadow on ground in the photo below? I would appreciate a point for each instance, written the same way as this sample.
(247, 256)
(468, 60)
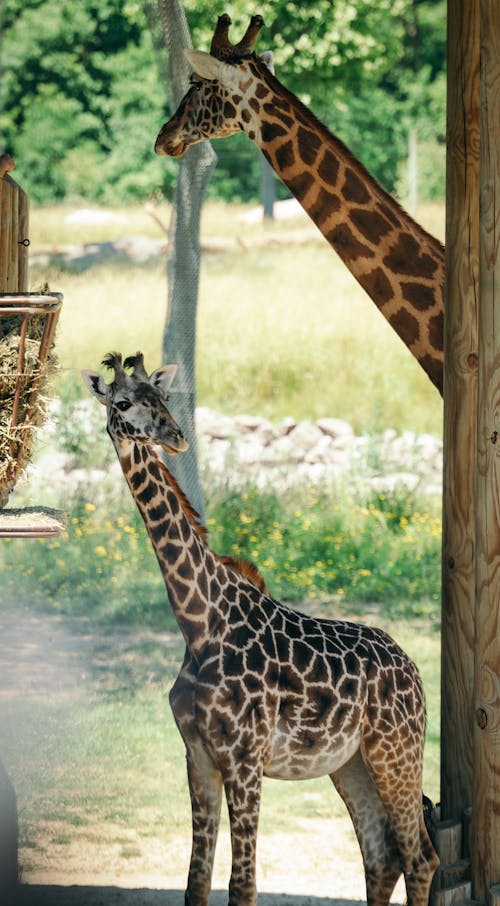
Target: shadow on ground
(54, 895)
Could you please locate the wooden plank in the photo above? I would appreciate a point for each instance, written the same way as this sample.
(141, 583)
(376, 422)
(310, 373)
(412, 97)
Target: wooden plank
(460, 389)
(486, 788)
(13, 251)
(448, 837)
(23, 237)
(466, 835)
(4, 231)
(453, 896)
(456, 874)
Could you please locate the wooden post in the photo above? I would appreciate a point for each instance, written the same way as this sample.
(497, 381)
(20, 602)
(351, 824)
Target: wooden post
(460, 394)
(486, 787)
(14, 223)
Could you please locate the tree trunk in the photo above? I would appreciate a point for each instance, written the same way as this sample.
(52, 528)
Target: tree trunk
(183, 266)
(179, 341)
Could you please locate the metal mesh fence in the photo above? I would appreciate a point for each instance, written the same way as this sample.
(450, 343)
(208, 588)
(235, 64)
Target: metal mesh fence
(183, 265)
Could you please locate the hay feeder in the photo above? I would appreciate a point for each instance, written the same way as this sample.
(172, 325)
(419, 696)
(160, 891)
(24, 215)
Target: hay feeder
(27, 326)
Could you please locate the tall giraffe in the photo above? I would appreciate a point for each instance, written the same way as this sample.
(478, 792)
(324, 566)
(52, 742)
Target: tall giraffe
(395, 260)
(265, 690)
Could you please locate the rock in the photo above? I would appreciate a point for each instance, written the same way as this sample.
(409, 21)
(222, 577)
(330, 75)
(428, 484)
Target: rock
(214, 424)
(384, 484)
(304, 436)
(336, 428)
(247, 448)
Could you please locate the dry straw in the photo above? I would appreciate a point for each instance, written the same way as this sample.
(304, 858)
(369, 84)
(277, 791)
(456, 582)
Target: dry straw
(27, 326)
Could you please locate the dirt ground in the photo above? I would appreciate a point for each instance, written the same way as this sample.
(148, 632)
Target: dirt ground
(49, 654)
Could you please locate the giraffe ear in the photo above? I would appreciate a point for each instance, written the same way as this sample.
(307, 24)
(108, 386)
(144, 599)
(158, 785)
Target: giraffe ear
(97, 386)
(208, 67)
(267, 58)
(162, 378)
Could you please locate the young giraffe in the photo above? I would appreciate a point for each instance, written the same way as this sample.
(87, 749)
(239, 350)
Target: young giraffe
(398, 263)
(264, 690)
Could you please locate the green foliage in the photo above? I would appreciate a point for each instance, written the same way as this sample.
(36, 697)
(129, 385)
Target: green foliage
(307, 542)
(82, 95)
(312, 542)
(101, 565)
(81, 100)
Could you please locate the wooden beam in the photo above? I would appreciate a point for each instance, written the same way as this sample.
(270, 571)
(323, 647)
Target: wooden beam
(486, 788)
(460, 395)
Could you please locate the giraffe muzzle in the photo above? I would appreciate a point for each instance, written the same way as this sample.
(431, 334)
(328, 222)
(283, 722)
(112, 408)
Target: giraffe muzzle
(167, 147)
(177, 444)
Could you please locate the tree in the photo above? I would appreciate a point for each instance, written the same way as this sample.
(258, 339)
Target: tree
(80, 102)
(179, 341)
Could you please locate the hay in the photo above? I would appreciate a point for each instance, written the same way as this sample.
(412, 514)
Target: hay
(31, 522)
(17, 429)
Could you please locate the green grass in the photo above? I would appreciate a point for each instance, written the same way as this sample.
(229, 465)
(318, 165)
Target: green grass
(307, 543)
(281, 330)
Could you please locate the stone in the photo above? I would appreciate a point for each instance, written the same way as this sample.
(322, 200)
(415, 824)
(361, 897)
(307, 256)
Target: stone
(335, 428)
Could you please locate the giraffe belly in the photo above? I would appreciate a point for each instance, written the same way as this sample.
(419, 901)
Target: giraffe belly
(306, 757)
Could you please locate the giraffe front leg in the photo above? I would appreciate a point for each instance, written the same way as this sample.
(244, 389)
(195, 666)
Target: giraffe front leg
(205, 788)
(243, 793)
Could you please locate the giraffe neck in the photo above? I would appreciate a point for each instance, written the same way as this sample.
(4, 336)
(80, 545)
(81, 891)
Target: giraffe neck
(396, 261)
(188, 566)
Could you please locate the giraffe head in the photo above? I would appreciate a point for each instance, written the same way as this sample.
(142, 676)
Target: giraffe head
(221, 98)
(137, 404)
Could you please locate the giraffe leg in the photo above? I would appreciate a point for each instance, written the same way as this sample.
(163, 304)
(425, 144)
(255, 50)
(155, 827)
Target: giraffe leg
(381, 859)
(399, 786)
(205, 788)
(243, 793)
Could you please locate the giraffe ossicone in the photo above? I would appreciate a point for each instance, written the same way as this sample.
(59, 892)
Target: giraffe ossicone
(399, 264)
(268, 691)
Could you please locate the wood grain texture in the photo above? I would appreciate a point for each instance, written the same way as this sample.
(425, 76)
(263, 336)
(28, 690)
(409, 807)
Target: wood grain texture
(460, 382)
(22, 235)
(486, 789)
(5, 200)
(14, 216)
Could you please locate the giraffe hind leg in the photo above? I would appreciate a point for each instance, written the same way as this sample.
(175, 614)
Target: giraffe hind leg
(399, 786)
(381, 859)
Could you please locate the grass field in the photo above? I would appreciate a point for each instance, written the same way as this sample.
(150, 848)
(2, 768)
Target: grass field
(281, 330)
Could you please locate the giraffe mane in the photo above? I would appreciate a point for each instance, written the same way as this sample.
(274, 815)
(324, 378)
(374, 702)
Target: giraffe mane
(190, 511)
(245, 567)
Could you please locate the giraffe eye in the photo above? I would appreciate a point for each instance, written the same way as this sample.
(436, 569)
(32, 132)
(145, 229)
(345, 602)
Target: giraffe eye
(195, 83)
(123, 405)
